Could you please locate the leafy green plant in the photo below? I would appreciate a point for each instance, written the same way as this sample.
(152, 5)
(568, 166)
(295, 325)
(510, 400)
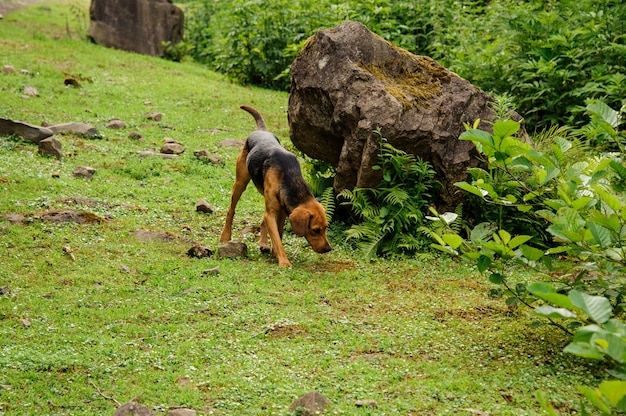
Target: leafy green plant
(583, 205)
(390, 214)
(176, 52)
(602, 131)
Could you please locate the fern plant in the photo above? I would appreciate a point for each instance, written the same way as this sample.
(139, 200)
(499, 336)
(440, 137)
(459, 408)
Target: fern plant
(390, 215)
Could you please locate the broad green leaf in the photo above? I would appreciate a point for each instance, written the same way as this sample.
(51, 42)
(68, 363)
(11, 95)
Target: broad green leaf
(531, 253)
(563, 144)
(505, 236)
(598, 308)
(581, 203)
(609, 199)
(614, 391)
(618, 168)
(478, 136)
(518, 240)
(483, 263)
(600, 234)
(615, 348)
(586, 333)
(482, 232)
(552, 312)
(542, 398)
(453, 240)
(612, 222)
(607, 114)
(595, 397)
(576, 170)
(496, 278)
(565, 235)
(505, 128)
(511, 301)
(551, 173)
(445, 249)
(557, 250)
(584, 349)
(471, 189)
(546, 292)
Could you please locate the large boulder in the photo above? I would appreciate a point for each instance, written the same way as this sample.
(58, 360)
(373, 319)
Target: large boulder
(348, 82)
(136, 25)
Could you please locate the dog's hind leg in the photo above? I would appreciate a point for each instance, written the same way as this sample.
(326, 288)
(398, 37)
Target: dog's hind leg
(264, 245)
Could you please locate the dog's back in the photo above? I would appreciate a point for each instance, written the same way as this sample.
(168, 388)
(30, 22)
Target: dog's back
(264, 153)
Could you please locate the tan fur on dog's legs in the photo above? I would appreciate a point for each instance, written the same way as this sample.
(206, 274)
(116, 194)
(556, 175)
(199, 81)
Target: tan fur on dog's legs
(242, 178)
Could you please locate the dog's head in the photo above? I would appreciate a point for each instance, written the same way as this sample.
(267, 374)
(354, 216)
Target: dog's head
(309, 221)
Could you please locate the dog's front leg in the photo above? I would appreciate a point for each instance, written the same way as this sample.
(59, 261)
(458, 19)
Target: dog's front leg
(242, 178)
(277, 245)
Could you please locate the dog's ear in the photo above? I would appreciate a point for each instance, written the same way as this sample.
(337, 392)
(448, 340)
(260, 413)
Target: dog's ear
(299, 219)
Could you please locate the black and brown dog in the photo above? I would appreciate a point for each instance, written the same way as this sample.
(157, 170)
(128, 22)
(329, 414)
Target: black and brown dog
(276, 174)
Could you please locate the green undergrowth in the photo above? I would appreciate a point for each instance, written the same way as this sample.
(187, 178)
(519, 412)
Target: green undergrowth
(92, 315)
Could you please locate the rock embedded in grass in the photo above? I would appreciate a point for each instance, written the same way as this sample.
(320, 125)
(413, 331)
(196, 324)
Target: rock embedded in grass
(29, 132)
(203, 206)
(312, 403)
(172, 147)
(86, 172)
(51, 147)
(232, 249)
(133, 409)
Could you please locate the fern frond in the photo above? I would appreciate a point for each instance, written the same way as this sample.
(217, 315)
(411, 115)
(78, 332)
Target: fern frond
(328, 201)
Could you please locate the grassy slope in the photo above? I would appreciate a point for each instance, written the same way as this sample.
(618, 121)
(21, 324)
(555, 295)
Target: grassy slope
(139, 319)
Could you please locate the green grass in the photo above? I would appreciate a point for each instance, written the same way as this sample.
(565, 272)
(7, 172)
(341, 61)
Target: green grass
(138, 319)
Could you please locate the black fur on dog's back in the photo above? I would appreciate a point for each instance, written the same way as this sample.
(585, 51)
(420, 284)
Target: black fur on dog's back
(265, 152)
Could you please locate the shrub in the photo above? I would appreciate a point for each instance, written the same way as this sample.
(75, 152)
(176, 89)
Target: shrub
(583, 202)
(389, 215)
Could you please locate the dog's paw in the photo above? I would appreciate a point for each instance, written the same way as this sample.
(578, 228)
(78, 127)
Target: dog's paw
(265, 249)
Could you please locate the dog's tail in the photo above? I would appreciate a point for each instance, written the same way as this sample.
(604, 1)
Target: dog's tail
(260, 124)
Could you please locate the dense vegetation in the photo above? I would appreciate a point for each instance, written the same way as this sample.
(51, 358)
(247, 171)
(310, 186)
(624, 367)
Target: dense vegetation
(550, 56)
(556, 207)
(90, 313)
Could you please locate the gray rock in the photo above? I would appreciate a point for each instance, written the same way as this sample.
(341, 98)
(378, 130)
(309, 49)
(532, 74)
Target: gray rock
(8, 69)
(366, 403)
(181, 412)
(312, 403)
(79, 128)
(86, 172)
(199, 252)
(154, 116)
(23, 130)
(135, 136)
(172, 148)
(348, 82)
(212, 271)
(116, 124)
(133, 409)
(51, 147)
(232, 249)
(204, 155)
(30, 91)
(203, 206)
(150, 152)
(136, 25)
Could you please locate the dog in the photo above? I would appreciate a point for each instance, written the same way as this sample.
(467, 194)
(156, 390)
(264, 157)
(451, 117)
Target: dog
(276, 174)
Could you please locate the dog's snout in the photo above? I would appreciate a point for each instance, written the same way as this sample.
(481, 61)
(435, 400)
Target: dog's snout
(326, 248)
